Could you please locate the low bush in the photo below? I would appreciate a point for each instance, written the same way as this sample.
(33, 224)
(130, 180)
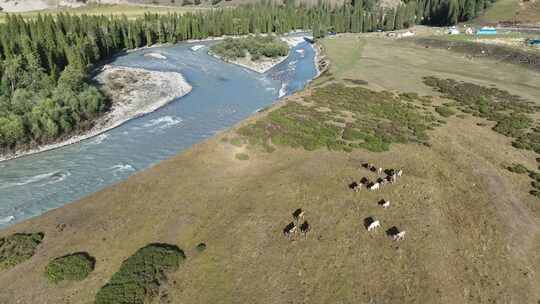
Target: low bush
(445, 111)
(378, 120)
(242, 156)
(141, 276)
(18, 248)
(201, 247)
(237, 142)
(511, 113)
(518, 168)
(73, 267)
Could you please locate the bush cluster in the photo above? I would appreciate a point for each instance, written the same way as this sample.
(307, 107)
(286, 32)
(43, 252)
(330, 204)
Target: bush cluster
(510, 112)
(18, 248)
(376, 120)
(445, 111)
(140, 276)
(72, 267)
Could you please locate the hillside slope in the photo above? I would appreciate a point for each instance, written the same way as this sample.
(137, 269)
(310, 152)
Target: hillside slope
(525, 12)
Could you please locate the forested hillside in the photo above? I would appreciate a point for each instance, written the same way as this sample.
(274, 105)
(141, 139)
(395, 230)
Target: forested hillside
(45, 61)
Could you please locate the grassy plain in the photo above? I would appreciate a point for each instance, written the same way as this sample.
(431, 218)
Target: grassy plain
(473, 231)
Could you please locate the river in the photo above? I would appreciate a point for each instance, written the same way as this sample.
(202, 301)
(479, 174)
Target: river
(223, 94)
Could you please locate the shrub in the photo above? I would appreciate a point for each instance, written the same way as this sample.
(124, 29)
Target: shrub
(140, 276)
(379, 119)
(18, 248)
(242, 156)
(237, 142)
(73, 267)
(445, 111)
(201, 247)
(518, 168)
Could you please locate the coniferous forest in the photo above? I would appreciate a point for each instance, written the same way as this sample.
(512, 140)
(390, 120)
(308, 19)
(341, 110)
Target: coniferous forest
(45, 62)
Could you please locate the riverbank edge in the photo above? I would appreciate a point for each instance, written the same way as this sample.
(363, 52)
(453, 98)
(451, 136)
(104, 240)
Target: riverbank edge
(107, 122)
(322, 64)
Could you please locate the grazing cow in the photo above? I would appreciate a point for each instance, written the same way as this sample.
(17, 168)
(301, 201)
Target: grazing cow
(289, 230)
(393, 179)
(399, 173)
(304, 228)
(374, 186)
(372, 168)
(379, 171)
(399, 236)
(364, 181)
(354, 186)
(366, 165)
(384, 203)
(373, 225)
(298, 214)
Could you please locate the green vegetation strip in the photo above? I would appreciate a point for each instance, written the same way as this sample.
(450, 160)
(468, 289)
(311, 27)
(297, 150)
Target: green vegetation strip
(140, 276)
(256, 46)
(535, 176)
(18, 248)
(342, 118)
(511, 113)
(72, 267)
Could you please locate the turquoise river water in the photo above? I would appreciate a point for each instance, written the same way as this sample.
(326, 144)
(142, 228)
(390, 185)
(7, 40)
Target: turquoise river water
(223, 94)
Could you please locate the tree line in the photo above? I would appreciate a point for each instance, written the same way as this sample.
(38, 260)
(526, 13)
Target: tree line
(45, 90)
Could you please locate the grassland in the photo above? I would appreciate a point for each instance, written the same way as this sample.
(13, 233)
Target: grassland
(472, 228)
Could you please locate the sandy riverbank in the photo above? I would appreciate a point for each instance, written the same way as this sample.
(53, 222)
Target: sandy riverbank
(134, 92)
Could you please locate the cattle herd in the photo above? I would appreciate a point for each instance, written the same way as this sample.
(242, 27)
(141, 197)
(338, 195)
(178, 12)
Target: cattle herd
(390, 176)
(291, 230)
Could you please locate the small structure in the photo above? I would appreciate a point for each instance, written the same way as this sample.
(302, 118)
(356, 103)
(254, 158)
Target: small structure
(406, 34)
(486, 30)
(453, 31)
(535, 42)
